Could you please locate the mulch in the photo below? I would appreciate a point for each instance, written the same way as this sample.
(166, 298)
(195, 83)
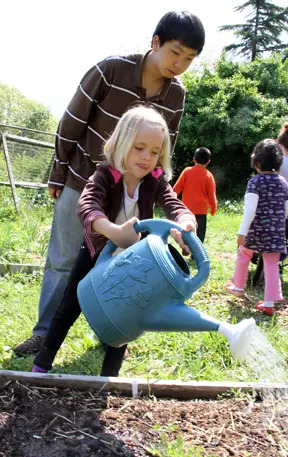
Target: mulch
(43, 422)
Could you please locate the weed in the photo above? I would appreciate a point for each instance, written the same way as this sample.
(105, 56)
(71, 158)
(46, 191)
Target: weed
(176, 448)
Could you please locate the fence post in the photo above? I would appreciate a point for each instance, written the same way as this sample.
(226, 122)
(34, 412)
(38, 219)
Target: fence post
(10, 173)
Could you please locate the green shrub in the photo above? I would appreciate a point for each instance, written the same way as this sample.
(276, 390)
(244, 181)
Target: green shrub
(229, 109)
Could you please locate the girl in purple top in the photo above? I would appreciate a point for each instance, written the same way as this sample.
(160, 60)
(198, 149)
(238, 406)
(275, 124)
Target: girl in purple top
(263, 225)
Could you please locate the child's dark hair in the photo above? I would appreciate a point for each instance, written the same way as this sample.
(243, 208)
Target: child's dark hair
(283, 136)
(267, 155)
(181, 26)
(202, 155)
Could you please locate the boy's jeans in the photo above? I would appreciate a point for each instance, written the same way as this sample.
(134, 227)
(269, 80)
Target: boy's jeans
(65, 241)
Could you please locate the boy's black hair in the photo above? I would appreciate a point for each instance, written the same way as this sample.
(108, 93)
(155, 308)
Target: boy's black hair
(181, 26)
(202, 155)
(267, 155)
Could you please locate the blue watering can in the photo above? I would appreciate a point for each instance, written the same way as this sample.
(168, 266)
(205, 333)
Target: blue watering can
(144, 287)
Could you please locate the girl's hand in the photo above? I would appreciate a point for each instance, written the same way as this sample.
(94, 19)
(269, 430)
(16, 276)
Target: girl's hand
(122, 235)
(187, 226)
(241, 240)
(125, 236)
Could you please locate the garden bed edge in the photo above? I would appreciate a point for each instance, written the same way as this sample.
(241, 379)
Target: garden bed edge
(134, 387)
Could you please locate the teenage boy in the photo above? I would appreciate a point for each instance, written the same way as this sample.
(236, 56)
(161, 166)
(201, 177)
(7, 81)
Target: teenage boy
(106, 91)
(198, 189)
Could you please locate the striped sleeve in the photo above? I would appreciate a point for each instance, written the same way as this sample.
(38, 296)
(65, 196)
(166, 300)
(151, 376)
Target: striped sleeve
(92, 88)
(174, 124)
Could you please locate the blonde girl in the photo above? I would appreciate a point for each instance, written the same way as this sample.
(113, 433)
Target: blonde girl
(125, 187)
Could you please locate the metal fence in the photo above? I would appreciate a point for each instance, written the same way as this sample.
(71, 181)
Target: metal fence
(25, 163)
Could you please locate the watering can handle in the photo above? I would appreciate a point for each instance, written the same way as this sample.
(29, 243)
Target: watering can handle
(162, 228)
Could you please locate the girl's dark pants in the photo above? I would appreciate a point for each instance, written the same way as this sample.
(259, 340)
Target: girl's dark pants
(65, 316)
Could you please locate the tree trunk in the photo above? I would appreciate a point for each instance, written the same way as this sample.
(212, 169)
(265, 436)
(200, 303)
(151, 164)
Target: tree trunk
(255, 34)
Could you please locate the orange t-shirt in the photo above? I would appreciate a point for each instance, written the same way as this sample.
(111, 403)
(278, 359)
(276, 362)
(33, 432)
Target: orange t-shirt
(198, 189)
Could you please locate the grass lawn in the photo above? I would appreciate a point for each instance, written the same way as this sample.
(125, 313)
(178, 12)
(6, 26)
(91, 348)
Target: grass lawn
(185, 356)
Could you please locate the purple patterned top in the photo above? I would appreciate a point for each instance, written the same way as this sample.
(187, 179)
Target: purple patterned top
(267, 231)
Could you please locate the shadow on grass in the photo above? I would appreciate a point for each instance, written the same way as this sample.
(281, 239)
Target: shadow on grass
(245, 308)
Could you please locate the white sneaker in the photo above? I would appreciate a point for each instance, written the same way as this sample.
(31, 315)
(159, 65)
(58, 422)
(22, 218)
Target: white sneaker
(233, 290)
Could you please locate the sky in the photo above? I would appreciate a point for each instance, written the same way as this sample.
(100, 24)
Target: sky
(47, 47)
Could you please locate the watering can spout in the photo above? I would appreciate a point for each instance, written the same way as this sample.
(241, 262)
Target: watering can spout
(239, 336)
(178, 317)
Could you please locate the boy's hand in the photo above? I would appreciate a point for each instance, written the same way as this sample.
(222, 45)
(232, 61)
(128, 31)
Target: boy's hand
(187, 226)
(54, 192)
(241, 240)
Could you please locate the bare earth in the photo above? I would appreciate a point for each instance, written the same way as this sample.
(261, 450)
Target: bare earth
(46, 422)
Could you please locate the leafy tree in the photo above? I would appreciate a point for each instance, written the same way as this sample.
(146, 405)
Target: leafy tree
(229, 109)
(12, 105)
(262, 30)
(38, 117)
(18, 110)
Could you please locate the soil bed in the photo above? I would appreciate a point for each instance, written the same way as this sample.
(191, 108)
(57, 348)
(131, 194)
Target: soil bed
(45, 421)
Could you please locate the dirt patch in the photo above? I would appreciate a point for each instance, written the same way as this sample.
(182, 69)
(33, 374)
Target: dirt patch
(43, 422)
(227, 255)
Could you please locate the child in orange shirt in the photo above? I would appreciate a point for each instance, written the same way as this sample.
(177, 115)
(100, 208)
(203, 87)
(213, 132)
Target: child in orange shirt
(198, 189)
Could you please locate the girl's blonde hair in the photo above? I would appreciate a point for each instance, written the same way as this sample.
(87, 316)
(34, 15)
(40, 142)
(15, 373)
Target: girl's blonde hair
(124, 134)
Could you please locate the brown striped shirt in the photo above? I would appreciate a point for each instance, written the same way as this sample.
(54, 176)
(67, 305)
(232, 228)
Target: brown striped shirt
(106, 91)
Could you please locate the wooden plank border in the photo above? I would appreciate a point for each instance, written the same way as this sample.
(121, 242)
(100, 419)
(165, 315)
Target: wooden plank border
(138, 386)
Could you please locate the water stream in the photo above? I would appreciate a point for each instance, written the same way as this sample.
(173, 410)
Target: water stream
(261, 357)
